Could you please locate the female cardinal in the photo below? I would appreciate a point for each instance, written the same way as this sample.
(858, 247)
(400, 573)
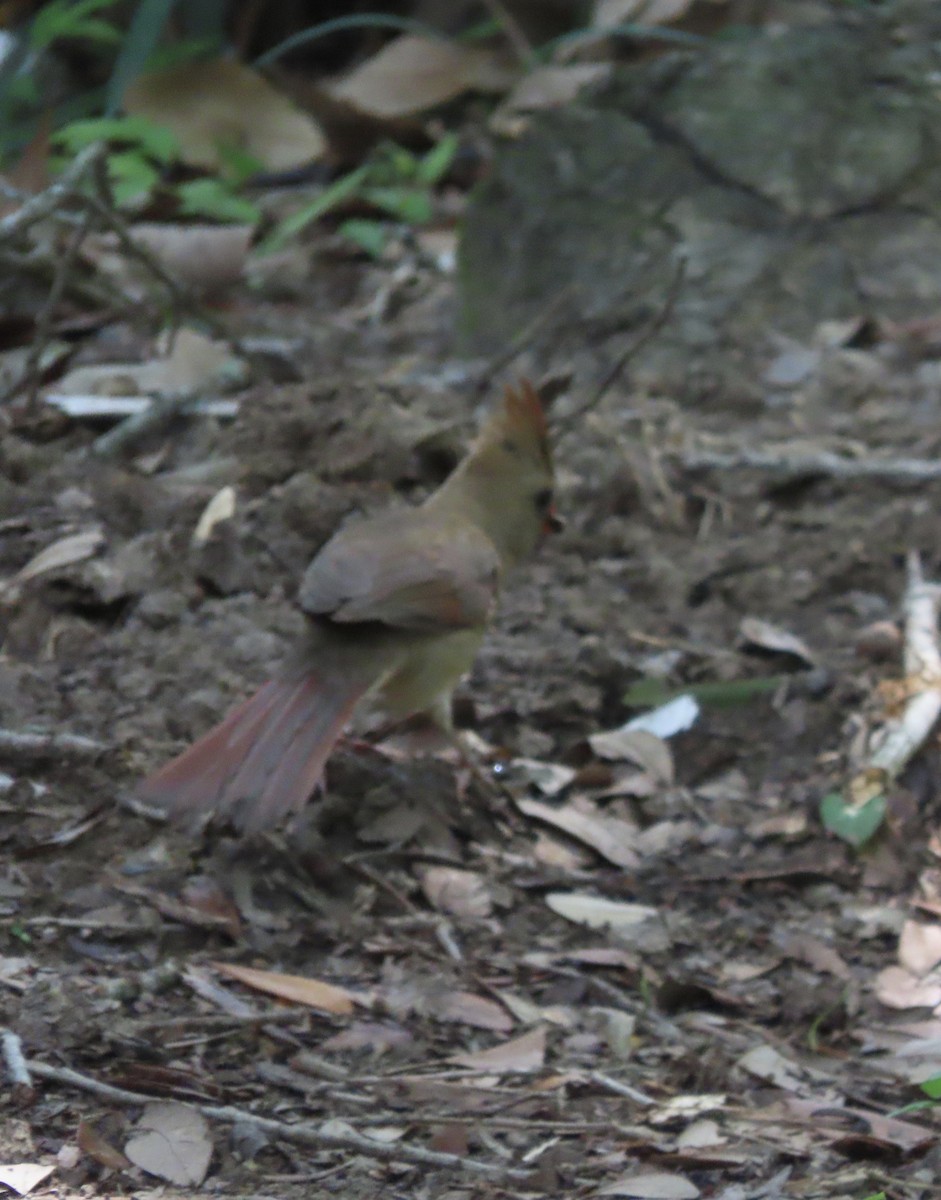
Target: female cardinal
(397, 606)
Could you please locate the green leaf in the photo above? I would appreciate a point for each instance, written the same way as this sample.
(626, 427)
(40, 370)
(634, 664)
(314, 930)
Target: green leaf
(149, 138)
(337, 193)
(412, 205)
(438, 161)
(176, 53)
(71, 19)
(140, 41)
(649, 693)
(854, 824)
(239, 164)
(370, 236)
(215, 198)
(132, 177)
(932, 1087)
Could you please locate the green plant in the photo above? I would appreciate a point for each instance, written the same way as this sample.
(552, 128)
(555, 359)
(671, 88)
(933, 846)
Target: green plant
(126, 52)
(394, 181)
(854, 823)
(141, 150)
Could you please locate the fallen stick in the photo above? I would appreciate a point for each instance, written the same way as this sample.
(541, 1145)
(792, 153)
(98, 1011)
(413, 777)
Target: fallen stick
(112, 408)
(834, 466)
(47, 202)
(20, 744)
(301, 1133)
(894, 744)
(160, 412)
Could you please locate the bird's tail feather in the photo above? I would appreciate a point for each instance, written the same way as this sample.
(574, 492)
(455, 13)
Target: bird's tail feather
(264, 759)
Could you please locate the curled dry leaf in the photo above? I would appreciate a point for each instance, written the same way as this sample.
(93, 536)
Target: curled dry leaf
(610, 837)
(524, 1053)
(653, 1185)
(220, 508)
(770, 637)
(903, 1135)
(638, 746)
(700, 1134)
(413, 73)
(192, 361)
(598, 913)
(219, 103)
(456, 892)
(897, 988)
(676, 716)
(65, 552)
(205, 258)
(91, 1142)
(23, 1177)
(466, 1008)
(550, 778)
(765, 1062)
(920, 947)
(172, 1141)
(297, 989)
(548, 86)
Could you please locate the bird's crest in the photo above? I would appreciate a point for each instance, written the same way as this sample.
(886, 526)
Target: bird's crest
(520, 423)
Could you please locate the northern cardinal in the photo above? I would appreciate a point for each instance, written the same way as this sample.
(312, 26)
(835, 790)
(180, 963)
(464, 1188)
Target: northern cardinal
(396, 605)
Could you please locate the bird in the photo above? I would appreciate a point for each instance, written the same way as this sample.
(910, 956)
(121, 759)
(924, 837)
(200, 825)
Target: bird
(396, 607)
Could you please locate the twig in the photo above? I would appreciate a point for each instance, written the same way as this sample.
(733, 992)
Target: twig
(522, 339)
(824, 463)
(22, 745)
(161, 411)
(31, 376)
(112, 408)
(17, 1068)
(647, 334)
(301, 1133)
(620, 1089)
(181, 296)
(522, 47)
(47, 202)
(112, 927)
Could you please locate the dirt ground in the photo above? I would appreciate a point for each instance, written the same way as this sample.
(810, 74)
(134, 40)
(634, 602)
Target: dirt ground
(731, 1043)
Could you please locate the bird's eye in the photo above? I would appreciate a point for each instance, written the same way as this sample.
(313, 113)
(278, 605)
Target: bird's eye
(543, 500)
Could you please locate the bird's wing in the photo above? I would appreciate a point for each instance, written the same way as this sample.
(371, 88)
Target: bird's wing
(405, 571)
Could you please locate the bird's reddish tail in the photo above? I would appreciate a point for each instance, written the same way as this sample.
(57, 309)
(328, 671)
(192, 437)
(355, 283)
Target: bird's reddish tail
(264, 759)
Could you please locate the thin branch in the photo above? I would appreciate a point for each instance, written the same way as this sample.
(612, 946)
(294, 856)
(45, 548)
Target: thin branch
(825, 463)
(112, 408)
(49, 201)
(515, 35)
(161, 411)
(181, 296)
(621, 1089)
(520, 341)
(32, 370)
(300, 1133)
(647, 334)
(17, 744)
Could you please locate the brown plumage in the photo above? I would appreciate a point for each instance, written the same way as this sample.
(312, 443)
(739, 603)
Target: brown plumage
(397, 605)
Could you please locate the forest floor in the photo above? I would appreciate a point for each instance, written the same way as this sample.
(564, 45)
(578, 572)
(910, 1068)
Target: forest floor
(748, 1018)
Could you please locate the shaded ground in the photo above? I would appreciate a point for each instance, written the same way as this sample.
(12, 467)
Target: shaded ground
(731, 1040)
